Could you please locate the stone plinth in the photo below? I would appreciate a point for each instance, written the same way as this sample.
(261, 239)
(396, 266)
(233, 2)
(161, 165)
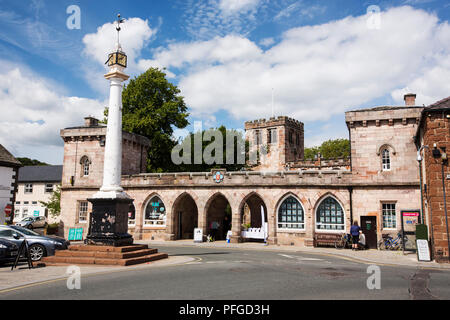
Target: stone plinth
(103, 255)
(109, 222)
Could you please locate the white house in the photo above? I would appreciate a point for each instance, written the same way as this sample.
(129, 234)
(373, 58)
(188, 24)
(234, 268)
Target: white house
(35, 184)
(8, 183)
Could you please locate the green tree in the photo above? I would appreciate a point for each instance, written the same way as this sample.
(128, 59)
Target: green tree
(31, 162)
(238, 149)
(54, 203)
(152, 107)
(331, 149)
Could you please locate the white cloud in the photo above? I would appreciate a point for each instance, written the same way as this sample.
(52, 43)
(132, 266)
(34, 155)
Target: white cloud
(317, 71)
(233, 6)
(135, 34)
(34, 110)
(267, 42)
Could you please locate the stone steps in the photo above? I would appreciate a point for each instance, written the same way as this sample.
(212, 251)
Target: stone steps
(103, 255)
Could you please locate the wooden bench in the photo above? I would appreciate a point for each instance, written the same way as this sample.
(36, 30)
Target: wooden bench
(326, 239)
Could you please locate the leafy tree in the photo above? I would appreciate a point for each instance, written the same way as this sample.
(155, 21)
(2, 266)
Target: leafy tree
(331, 149)
(238, 150)
(30, 162)
(54, 204)
(152, 107)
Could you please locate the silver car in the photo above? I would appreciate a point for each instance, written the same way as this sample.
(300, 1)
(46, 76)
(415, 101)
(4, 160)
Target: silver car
(33, 222)
(40, 246)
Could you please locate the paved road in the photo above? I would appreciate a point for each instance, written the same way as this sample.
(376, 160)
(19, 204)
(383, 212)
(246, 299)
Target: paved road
(249, 274)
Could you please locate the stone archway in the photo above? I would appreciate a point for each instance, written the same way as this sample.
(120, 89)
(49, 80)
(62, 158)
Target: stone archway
(185, 217)
(218, 216)
(251, 211)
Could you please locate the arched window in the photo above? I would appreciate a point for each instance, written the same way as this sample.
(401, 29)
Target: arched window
(386, 160)
(85, 163)
(155, 212)
(290, 214)
(330, 215)
(131, 215)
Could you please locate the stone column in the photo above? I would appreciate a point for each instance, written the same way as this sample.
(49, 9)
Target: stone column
(235, 224)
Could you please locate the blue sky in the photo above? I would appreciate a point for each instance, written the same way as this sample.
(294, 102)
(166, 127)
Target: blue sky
(322, 58)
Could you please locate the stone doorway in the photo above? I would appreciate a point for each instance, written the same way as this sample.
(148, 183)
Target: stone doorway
(218, 217)
(251, 215)
(185, 215)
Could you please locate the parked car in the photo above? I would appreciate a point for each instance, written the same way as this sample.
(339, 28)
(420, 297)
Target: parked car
(8, 251)
(33, 222)
(40, 246)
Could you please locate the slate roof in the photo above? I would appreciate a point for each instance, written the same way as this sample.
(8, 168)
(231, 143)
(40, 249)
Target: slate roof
(383, 108)
(40, 174)
(443, 104)
(7, 159)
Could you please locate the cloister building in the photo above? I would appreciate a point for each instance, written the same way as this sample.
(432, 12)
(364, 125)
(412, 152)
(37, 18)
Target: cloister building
(300, 198)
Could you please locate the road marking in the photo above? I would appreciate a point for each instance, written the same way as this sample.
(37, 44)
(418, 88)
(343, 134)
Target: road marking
(287, 256)
(309, 259)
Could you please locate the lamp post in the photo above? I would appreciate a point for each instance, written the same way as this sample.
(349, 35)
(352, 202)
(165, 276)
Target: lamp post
(419, 159)
(110, 205)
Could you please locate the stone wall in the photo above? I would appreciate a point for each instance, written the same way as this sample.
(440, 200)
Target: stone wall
(436, 130)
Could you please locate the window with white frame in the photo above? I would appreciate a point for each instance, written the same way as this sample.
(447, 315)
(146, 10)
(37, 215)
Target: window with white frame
(48, 188)
(83, 212)
(330, 215)
(86, 164)
(386, 160)
(29, 188)
(389, 216)
(155, 212)
(132, 215)
(25, 213)
(291, 215)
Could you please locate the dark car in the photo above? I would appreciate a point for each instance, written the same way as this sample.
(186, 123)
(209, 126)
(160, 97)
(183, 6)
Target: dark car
(8, 251)
(40, 246)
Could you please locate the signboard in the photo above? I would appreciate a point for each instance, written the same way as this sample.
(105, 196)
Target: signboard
(36, 213)
(75, 234)
(198, 235)
(8, 210)
(409, 220)
(423, 250)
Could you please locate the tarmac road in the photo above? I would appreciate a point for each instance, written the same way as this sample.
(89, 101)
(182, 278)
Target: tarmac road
(234, 274)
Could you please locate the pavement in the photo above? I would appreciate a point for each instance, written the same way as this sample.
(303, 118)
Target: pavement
(372, 256)
(23, 277)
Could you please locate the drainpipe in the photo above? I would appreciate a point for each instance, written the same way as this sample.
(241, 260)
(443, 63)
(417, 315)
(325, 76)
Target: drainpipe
(445, 204)
(419, 159)
(350, 190)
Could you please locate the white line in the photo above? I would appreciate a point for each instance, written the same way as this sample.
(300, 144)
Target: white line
(287, 256)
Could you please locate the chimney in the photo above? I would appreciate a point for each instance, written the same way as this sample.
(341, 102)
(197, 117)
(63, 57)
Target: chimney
(410, 99)
(90, 122)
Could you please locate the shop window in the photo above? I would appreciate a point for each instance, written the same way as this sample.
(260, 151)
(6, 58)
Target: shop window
(155, 212)
(291, 214)
(330, 216)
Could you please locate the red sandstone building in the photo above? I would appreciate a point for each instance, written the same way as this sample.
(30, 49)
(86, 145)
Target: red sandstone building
(434, 134)
(300, 199)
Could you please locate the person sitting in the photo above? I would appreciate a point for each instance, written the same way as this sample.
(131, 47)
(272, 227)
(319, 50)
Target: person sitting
(362, 241)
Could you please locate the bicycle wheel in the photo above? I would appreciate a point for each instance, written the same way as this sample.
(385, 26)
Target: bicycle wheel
(381, 245)
(339, 244)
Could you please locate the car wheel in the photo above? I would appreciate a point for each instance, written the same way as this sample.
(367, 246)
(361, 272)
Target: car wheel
(37, 252)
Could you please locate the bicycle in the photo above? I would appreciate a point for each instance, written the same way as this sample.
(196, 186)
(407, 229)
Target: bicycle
(389, 243)
(343, 243)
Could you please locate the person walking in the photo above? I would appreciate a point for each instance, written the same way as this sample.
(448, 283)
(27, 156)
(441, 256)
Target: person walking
(354, 231)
